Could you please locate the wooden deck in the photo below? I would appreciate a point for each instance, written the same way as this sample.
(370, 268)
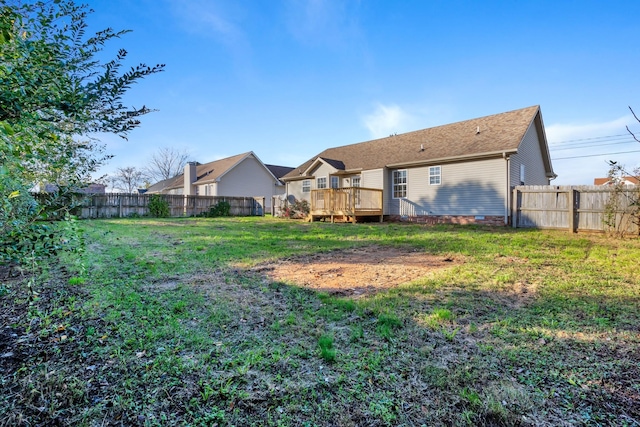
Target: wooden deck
(345, 204)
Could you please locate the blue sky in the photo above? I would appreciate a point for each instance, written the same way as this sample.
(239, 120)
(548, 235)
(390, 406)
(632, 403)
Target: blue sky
(289, 78)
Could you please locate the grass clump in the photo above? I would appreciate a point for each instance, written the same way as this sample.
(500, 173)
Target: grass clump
(438, 317)
(386, 325)
(327, 352)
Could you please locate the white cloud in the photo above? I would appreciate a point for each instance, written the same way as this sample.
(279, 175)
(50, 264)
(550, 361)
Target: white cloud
(204, 16)
(221, 20)
(323, 22)
(567, 132)
(387, 119)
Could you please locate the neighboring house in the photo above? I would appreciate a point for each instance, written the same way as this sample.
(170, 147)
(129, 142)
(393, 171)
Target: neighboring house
(243, 175)
(279, 171)
(93, 188)
(460, 172)
(625, 180)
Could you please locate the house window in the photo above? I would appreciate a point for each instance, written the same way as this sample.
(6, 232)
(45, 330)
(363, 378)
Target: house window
(521, 174)
(321, 182)
(206, 190)
(306, 186)
(435, 175)
(355, 182)
(399, 184)
(334, 182)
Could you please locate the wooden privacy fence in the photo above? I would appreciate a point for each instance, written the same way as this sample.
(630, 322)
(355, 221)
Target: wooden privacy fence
(122, 205)
(576, 208)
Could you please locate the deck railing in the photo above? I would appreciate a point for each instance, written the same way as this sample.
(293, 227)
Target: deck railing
(346, 202)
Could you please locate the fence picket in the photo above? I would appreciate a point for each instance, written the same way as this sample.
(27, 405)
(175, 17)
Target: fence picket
(120, 205)
(576, 208)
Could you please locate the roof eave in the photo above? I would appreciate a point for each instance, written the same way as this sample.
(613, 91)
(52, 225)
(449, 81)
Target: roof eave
(296, 178)
(207, 181)
(544, 145)
(454, 158)
(348, 171)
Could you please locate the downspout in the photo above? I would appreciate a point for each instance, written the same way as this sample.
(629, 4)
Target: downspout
(507, 189)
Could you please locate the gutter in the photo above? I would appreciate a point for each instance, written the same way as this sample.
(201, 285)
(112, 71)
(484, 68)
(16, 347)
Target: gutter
(296, 178)
(453, 159)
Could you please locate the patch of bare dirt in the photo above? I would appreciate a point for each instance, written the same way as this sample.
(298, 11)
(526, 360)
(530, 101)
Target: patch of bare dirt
(355, 272)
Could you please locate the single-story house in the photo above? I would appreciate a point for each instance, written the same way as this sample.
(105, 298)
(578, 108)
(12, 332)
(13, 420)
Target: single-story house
(242, 175)
(625, 180)
(461, 172)
(92, 188)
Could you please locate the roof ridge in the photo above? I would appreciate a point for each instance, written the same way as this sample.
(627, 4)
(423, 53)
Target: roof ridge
(488, 134)
(432, 127)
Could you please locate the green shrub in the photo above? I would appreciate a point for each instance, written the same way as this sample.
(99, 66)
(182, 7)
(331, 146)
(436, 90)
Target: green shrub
(158, 206)
(297, 209)
(220, 209)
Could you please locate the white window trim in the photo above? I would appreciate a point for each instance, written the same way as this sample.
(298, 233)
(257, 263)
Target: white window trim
(317, 182)
(405, 184)
(307, 187)
(439, 175)
(331, 181)
(354, 180)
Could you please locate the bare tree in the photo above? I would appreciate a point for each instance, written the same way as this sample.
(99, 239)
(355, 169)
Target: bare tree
(624, 203)
(166, 163)
(128, 179)
(629, 130)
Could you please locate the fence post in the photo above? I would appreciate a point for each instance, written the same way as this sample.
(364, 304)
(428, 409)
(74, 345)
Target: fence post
(514, 208)
(572, 210)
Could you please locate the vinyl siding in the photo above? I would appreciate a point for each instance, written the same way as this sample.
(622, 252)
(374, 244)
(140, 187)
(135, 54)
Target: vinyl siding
(373, 179)
(467, 188)
(248, 179)
(294, 188)
(347, 181)
(376, 178)
(530, 156)
(322, 171)
(213, 188)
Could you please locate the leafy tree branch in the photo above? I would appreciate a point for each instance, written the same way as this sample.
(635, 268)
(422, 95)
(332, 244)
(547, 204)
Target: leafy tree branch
(54, 95)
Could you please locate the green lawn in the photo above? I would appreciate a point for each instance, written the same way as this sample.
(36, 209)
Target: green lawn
(164, 323)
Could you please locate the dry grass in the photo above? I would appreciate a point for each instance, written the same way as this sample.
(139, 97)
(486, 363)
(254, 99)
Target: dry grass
(245, 322)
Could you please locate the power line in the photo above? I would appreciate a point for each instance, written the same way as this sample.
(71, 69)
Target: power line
(588, 146)
(593, 142)
(588, 139)
(604, 138)
(596, 155)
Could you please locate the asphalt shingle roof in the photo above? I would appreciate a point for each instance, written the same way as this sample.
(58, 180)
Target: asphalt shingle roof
(279, 171)
(205, 173)
(490, 134)
(211, 171)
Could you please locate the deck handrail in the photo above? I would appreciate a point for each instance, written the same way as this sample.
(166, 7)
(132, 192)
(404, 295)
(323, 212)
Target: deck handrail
(345, 200)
